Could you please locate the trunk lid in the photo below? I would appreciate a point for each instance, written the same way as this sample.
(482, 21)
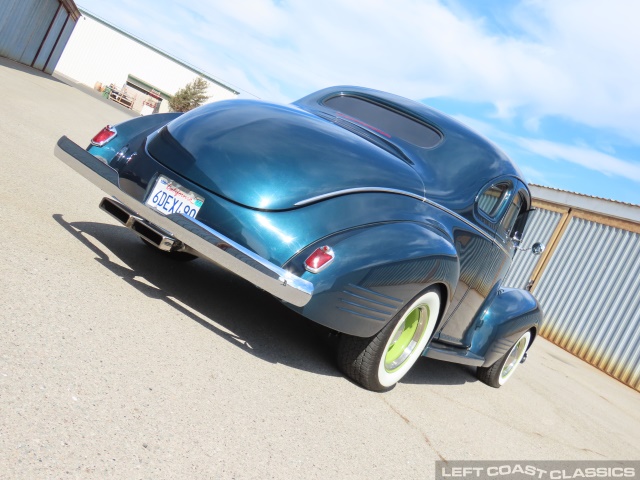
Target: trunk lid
(271, 157)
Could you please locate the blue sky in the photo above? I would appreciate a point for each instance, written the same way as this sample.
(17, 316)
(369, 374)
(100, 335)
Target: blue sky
(552, 82)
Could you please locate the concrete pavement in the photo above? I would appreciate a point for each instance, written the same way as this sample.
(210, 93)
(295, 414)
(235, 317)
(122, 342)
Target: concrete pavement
(117, 362)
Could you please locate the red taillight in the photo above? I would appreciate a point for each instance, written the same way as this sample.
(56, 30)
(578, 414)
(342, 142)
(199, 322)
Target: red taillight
(104, 136)
(319, 259)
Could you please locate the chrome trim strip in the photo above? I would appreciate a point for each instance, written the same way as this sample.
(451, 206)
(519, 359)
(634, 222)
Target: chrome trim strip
(348, 191)
(375, 294)
(370, 317)
(468, 223)
(363, 307)
(406, 194)
(206, 241)
(375, 302)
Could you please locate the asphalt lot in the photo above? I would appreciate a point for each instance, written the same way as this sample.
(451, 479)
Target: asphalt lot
(117, 362)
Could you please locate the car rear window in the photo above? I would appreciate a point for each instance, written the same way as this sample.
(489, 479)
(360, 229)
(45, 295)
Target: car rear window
(384, 120)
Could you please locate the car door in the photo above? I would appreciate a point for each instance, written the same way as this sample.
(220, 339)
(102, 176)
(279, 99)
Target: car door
(484, 258)
(510, 229)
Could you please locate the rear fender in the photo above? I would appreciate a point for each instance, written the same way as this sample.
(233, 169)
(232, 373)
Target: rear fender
(131, 132)
(377, 270)
(502, 320)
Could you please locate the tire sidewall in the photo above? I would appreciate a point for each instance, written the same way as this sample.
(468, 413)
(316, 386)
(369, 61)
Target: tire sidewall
(429, 298)
(500, 380)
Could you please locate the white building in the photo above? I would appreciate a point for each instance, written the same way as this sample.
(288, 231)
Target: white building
(134, 73)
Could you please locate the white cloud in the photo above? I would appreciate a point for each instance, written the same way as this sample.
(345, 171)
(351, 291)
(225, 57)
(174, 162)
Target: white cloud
(485, 128)
(574, 58)
(583, 156)
(594, 46)
(579, 154)
(576, 61)
(535, 176)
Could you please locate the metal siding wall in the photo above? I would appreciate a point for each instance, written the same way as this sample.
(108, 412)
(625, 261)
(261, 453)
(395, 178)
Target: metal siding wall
(55, 55)
(25, 31)
(24, 27)
(540, 227)
(10, 11)
(50, 41)
(589, 293)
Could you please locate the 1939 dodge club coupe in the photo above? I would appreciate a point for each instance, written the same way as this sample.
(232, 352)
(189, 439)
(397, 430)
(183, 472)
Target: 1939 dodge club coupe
(373, 215)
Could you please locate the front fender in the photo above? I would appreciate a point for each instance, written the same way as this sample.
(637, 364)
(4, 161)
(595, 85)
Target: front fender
(377, 270)
(503, 318)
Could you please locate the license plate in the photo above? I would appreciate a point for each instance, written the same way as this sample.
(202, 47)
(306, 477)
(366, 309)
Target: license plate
(169, 196)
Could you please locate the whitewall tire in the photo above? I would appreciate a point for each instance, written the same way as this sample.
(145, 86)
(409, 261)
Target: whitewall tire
(379, 362)
(500, 372)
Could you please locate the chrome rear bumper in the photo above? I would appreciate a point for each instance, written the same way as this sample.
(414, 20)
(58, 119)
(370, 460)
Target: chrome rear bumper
(209, 244)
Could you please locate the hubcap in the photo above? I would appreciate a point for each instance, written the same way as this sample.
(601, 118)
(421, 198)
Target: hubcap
(405, 337)
(516, 354)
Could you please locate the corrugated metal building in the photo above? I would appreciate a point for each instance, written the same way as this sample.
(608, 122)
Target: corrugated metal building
(35, 32)
(135, 74)
(588, 278)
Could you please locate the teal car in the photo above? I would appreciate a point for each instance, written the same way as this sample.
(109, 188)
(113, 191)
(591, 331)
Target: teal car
(389, 223)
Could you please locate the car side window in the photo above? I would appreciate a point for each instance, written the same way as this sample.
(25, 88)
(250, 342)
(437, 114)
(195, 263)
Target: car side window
(513, 211)
(490, 201)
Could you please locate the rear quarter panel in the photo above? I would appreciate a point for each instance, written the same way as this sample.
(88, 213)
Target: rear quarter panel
(378, 269)
(132, 132)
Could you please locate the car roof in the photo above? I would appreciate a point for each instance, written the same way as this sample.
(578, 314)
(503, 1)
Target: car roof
(454, 170)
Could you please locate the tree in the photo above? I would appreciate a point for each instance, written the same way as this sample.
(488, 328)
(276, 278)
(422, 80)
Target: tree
(190, 96)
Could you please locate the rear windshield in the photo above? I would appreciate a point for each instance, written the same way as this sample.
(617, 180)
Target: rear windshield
(385, 121)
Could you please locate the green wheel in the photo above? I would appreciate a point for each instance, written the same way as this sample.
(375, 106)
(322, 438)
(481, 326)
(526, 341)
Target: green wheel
(379, 362)
(497, 374)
